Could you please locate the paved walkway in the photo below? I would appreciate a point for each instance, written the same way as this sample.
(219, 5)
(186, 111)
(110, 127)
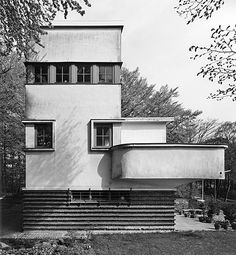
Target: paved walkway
(191, 224)
(182, 224)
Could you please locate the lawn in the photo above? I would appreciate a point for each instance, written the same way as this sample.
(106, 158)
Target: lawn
(209, 242)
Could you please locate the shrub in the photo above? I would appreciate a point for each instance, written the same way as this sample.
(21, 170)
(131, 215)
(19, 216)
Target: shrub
(229, 211)
(208, 220)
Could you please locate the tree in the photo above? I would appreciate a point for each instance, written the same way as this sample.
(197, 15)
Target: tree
(226, 134)
(221, 54)
(20, 21)
(142, 100)
(138, 99)
(11, 114)
(188, 128)
(192, 9)
(135, 94)
(221, 57)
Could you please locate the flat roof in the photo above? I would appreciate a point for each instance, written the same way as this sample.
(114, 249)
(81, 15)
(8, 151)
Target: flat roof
(149, 119)
(135, 119)
(169, 145)
(86, 24)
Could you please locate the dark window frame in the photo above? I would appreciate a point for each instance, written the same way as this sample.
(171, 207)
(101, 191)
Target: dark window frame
(103, 136)
(84, 74)
(106, 74)
(41, 74)
(46, 138)
(62, 74)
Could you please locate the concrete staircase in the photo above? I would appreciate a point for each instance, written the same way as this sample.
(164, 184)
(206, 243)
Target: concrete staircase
(98, 210)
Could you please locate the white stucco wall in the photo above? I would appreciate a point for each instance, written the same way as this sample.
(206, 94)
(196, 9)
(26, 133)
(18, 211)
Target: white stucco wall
(168, 162)
(71, 164)
(140, 132)
(92, 44)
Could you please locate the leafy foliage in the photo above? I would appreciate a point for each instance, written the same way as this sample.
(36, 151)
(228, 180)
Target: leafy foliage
(135, 94)
(142, 100)
(20, 21)
(189, 128)
(192, 9)
(226, 134)
(11, 114)
(221, 57)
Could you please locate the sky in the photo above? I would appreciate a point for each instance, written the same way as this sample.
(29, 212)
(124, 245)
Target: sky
(157, 40)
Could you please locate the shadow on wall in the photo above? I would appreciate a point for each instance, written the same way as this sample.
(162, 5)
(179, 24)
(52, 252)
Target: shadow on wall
(104, 165)
(58, 169)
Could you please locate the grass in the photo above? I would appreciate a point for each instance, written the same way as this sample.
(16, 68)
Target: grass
(208, 242)
(166, 243)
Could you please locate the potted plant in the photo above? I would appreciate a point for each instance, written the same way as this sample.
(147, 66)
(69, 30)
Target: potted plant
(233, 225)
(225, 224)
(208, 219)
(217, 225)
(201, 218)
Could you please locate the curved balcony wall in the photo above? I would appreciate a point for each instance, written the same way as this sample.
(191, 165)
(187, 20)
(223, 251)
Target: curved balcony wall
(168, 161)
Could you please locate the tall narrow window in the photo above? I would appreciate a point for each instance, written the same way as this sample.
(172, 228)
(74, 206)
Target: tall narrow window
(62, 73)
(105, 74)
(43, 135)
(84, 74)
(102, 135)
(41, 74)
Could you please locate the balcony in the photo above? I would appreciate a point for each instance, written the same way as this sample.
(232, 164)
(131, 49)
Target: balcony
(168, 161)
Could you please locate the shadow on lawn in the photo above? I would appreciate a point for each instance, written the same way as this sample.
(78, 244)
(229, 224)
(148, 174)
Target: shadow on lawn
(10, 215)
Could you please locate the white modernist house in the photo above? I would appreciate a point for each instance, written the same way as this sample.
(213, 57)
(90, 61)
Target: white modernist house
(86, 166)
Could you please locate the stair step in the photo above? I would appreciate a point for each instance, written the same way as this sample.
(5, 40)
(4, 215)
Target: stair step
(45, 195)
(98, 215)
(107, 228)
(46, 199)
(98, 223)
(94, 218)
(73, 206)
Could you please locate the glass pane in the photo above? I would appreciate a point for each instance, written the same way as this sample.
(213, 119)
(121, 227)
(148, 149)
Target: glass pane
(66, 78)
(37, 69)
(99, 141)
(37, 74)
(99, 130)
(59, 78)
(101, 77)
(87, 69)
(80, 78)
(65, 69)
(106, 131)
(44, 78)
(58, 69)
(109, 70)
(44, 135)
(101, 69)
(106, 141)
(80, 69)
(44, 69)
(109, 78)
(87, 78)
(37, 77)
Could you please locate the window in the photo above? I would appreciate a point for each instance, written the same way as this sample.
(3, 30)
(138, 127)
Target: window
(84, 74)
(105, 74)
(102, 135)
(43, 133)
(39, 135)
(62, 73)
(41, 74)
